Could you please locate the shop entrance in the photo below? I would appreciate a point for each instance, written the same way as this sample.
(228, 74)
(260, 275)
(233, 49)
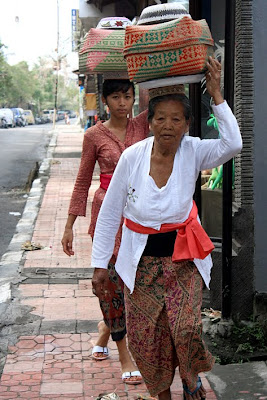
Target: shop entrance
(214, 189)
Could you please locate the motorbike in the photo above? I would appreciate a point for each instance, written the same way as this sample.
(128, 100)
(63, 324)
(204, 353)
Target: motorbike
(38, 120)
(19, 121)
(3, 123)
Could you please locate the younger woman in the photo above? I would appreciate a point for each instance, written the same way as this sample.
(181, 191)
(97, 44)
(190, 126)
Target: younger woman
(104, 143)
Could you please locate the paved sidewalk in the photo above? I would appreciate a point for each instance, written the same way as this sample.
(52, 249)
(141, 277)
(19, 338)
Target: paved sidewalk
(54, 362)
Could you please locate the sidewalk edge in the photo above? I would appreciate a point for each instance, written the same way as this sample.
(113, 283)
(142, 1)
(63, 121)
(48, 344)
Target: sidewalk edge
(11, 262)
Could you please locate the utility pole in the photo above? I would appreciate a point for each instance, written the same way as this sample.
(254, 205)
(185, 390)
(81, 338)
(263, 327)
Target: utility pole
(56, 85)
(228, 166)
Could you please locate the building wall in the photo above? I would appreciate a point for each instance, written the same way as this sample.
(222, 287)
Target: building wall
(260, 142)
(90, 15)
(89, 10)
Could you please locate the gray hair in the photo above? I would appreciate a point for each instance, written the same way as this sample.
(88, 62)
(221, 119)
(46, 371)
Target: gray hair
(182, 98)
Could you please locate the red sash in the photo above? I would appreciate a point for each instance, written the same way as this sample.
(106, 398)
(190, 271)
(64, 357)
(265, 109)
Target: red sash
(191, 241)
(105, 180)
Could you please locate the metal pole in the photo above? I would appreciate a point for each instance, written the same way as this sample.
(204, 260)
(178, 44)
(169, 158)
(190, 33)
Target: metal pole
(195, 130)
(228, 167)
(195, 7)
(56, 85)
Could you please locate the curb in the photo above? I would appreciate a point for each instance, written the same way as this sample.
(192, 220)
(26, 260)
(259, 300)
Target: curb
(12, 261)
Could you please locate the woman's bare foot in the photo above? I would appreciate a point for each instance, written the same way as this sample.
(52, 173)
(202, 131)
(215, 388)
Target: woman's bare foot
(200, 394)
(102, 340)
(127, 364)
(166, 395)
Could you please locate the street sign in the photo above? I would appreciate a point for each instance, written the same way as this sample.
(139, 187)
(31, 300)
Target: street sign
(75, 28)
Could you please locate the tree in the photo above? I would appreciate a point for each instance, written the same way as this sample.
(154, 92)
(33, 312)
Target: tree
(5, 78)
(68, 94)
(67, 91)
(44, 84)
(35, 89)
(21, 86)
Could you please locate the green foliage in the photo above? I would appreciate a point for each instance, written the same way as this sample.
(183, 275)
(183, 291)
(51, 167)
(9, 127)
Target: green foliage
(68, 96)
(21, 86)
(218, 360)
(251, 337)
(246, 342)
(5, 78)
(244, 348)
(35, 89)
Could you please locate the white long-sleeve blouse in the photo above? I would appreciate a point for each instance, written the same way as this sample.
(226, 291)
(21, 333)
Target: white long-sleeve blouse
(134, 194)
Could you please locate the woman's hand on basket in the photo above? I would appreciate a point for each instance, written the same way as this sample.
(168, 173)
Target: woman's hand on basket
(213, 80)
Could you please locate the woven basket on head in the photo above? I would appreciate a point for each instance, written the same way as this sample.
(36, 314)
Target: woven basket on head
(178, 47)
(162, 13)
(102, 51)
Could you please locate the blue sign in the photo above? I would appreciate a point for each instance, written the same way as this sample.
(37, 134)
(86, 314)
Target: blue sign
(74, 28)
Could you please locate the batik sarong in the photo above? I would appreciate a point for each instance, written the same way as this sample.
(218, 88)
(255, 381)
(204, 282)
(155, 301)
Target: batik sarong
(164, 326)
(112, 307)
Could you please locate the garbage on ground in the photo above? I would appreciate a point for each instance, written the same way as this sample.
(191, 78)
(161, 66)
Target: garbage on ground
(14, 213)
(214, 315)
(55, 162)
(30, 246)
(110, 396)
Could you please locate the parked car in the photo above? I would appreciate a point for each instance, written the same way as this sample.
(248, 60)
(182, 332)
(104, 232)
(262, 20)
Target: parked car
(49, 114)
(46, 119)
(39, 119)
(9, 116)
(20, 118)
(29, 117)
(72, 114)
(60, 115)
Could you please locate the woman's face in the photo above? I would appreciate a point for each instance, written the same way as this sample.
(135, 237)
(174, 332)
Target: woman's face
(120, 104)
(169, 124)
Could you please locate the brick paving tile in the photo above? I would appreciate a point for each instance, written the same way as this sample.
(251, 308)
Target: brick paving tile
(62, 397)
(35, 290)
(57, 293)
(62, 388)
(65, 375)
(54, 307)
(9, 396)
(59, 366)
(28, 395)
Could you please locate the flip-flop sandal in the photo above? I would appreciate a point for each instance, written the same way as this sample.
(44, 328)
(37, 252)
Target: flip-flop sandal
(100, 349)
(127, 375)
(199, 384)
(110, 396)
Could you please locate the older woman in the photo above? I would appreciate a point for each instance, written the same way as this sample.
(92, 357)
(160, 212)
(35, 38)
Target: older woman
(164, 256)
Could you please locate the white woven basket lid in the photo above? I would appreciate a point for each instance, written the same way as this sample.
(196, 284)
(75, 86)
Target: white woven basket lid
(115, 75)
(162, 13)
(113, 23)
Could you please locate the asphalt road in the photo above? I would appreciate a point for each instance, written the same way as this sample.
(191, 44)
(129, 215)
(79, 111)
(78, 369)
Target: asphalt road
(20, 150)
